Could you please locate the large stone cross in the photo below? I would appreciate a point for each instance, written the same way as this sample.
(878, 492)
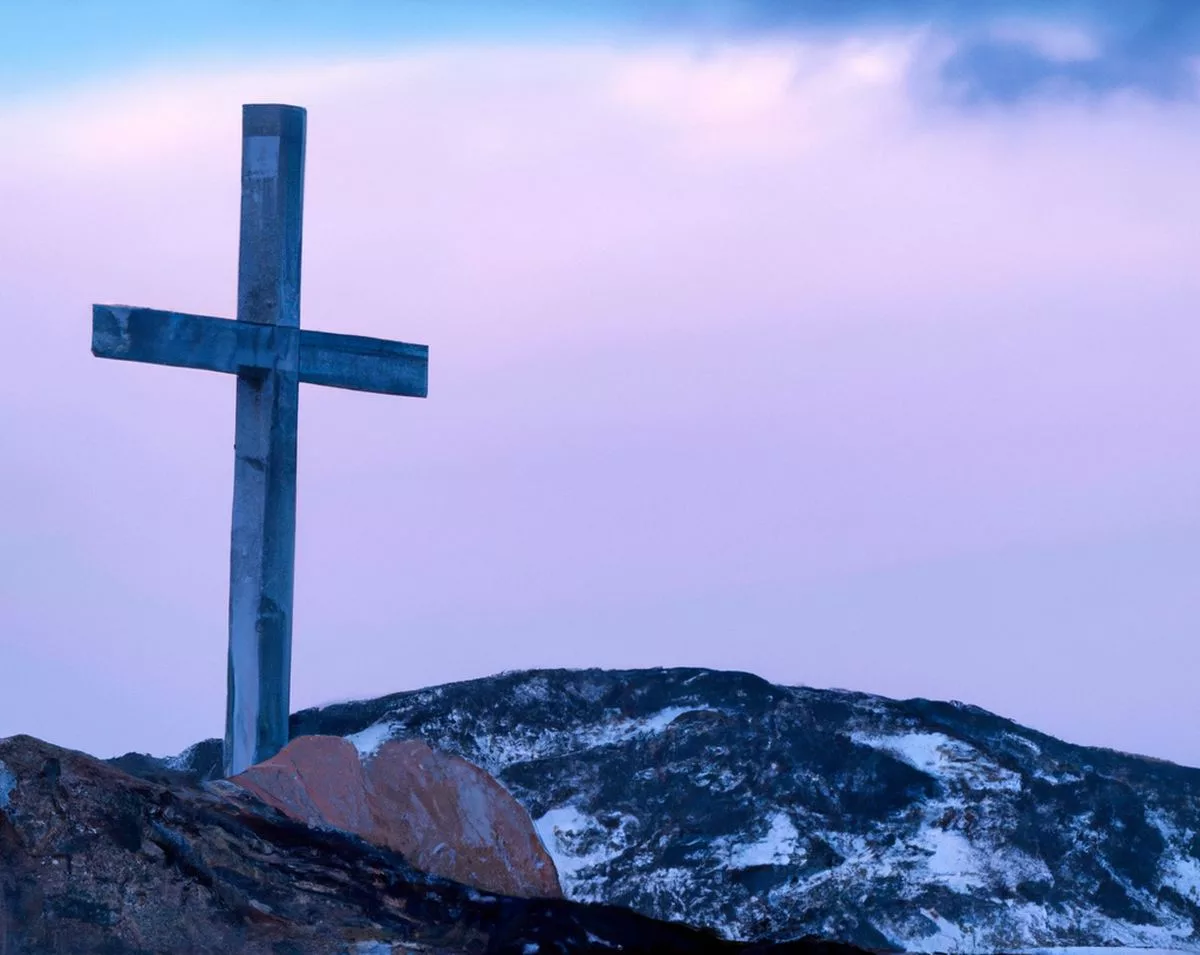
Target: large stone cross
(270, 355)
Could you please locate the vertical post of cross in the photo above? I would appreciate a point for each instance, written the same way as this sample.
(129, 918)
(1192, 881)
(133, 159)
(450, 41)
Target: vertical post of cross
(264, 481)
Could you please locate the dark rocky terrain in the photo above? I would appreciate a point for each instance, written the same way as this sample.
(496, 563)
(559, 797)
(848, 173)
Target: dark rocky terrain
(93, 860)
(768, 813)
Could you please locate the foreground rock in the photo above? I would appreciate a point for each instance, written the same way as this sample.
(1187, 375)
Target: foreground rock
(446, 816)
(93, 860)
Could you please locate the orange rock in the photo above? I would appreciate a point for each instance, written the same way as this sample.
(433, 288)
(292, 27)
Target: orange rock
(448, 817)
(316, 780)
(445, 815)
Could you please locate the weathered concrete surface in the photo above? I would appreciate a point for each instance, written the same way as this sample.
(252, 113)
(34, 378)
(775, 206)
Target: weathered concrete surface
(446, 816)
(263, 540)
(96, 862)
(356, 362)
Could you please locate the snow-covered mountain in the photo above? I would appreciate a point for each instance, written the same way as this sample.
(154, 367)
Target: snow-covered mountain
(771, 812)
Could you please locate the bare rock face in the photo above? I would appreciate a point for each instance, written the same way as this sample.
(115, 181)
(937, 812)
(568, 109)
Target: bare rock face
(317, 780)
(446, 816)
(450, 818)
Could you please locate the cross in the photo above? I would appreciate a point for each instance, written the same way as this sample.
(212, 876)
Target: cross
(270, 355)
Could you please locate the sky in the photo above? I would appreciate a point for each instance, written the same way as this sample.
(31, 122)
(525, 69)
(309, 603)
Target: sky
(852, 346)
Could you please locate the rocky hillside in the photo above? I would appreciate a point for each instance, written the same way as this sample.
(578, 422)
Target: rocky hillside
(770, 812)
(96, 862)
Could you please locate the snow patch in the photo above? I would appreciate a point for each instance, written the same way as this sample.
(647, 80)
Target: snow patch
(368, 741)
(1183, 875)
(949, 760)
(946, 937)
(775, 848)
(536, 690)
(954, 861)
(496, 753)
(664, 718)
(1180, 869)
(183, 761)
(1026, 743)
(1057, 779)
(671, 890)
(577, 842)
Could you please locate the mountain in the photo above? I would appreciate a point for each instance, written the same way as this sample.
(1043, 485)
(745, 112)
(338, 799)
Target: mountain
(767, 812)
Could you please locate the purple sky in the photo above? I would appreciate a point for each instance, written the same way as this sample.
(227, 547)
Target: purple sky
(743, 355)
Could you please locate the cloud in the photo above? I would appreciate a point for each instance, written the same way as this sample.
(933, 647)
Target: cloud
(1001, 52)
(1153, 53)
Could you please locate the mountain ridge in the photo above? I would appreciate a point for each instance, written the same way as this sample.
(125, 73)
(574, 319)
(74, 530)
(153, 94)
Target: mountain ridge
(767, 813)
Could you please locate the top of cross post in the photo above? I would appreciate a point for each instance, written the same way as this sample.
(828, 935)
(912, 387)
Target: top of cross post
(273, 119)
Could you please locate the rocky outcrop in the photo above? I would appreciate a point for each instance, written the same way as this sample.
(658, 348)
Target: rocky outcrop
(446, 816)
(93, 860)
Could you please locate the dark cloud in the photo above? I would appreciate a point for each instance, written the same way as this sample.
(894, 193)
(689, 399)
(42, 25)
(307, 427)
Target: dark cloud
(1144, 47)
(1141, 46)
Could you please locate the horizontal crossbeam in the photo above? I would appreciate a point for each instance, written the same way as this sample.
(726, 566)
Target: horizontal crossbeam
(221, 344)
